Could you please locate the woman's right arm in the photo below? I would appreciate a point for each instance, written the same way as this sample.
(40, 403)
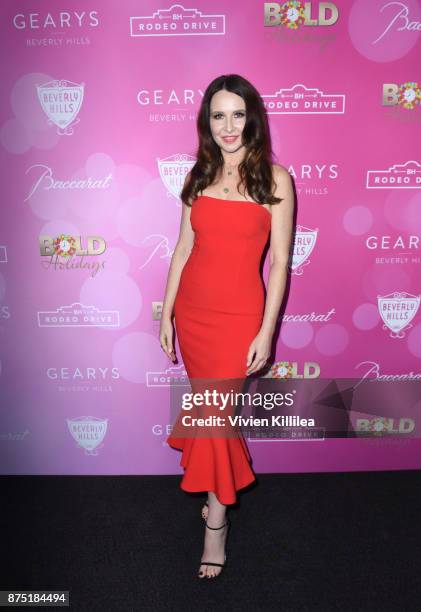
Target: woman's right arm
(179, 258)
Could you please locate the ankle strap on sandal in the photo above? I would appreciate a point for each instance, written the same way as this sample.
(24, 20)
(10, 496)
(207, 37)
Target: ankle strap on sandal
(216, 527)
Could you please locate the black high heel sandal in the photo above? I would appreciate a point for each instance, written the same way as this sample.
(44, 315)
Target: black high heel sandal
(227, 524)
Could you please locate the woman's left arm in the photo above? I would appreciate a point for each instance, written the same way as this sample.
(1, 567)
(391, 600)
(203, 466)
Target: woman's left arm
(280, 244)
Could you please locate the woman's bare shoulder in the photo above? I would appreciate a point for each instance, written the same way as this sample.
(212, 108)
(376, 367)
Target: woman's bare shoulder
(279, 171)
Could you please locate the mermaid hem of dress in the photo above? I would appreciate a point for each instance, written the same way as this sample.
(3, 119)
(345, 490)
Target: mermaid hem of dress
(225, 486)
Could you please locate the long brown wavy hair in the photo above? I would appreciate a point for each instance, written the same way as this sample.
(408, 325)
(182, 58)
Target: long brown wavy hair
(255, 170)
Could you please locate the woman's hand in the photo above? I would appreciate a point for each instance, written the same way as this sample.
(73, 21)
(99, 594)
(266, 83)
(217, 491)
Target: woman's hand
(260, 348)
(166, 338)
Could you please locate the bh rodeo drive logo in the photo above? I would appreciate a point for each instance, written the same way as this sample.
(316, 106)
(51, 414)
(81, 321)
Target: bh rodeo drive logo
(177, 21)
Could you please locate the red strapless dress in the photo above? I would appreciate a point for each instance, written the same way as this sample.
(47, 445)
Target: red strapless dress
(218, 311)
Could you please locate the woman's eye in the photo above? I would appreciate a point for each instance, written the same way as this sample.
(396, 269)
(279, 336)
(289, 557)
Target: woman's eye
(239, 114)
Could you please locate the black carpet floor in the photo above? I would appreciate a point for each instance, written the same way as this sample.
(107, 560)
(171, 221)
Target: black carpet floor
(298, 542)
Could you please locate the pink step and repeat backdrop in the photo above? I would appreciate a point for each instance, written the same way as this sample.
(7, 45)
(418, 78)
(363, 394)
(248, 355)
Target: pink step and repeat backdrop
(97, 131)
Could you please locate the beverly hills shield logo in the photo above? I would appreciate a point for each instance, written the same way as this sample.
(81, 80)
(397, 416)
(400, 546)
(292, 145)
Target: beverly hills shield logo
(304, 242)
(173, 171)
(61, 102)
(397, 311)
(88, 432)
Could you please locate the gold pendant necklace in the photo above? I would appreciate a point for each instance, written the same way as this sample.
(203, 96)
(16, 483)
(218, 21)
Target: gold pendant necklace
(229, 173)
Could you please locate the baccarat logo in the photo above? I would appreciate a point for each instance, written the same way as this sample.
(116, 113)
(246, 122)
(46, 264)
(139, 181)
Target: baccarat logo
(61, 101)
(65, 252)
(45, 180)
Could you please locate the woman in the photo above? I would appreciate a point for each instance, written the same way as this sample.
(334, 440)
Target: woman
(233, 198)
